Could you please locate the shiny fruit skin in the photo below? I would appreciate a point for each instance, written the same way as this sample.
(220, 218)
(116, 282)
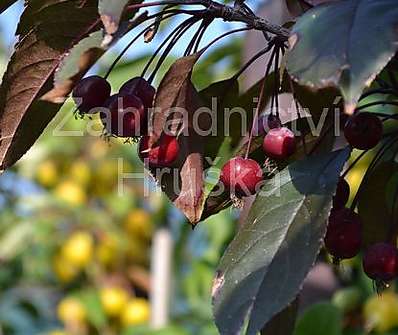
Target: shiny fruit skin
(381, 312)
(279, 143)
(363, 131)
(113, 300)
(71, 310)
(136, 312)
(342, 194)
(93, 91)
(380, 262)
(125, 116)
(138, 86)
(78, 249)
(162, 154)
(242, 176)
(344, 236)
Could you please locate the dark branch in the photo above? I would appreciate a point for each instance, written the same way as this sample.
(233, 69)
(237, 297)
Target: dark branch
(237, 13)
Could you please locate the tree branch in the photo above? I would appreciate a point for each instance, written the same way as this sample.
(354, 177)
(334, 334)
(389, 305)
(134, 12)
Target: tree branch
(227, 13)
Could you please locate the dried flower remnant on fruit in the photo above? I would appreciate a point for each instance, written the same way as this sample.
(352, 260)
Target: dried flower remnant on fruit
(162, 154)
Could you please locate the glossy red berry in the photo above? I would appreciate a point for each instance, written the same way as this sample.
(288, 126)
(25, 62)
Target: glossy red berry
(124, 116)
(342, 194)
(162, 154)
(141, 88)
(91, 92)
(363, 131)
(279, 143)
(380, 262)
(242, 176)
(343, 237)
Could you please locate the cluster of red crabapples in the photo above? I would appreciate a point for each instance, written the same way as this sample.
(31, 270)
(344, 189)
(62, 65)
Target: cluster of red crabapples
(344, 233)
(243, 176)
(125, 115)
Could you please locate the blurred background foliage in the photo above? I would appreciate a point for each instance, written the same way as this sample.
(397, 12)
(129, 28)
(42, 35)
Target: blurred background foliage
(75, 253)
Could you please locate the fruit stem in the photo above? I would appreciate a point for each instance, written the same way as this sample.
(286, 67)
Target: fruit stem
(376, 103)
(253, 59)
(239, 30)
(194, 38)
(259, 102)
(199, 39)
(175, 35)
(276, 72)
(371, 166)
(142, 32)
(376, 91)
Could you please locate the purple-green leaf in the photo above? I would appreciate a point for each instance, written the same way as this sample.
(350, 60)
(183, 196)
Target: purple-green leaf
(343, 44)
(263, 268)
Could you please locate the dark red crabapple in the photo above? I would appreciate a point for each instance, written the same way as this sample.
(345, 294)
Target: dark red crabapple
(93, 91)
(343, 237)
(380, 262)
(279, 143)
(241, 176)
(124, 116)
(363, 131)
(342, 194)
(140, 87)
(162, 154)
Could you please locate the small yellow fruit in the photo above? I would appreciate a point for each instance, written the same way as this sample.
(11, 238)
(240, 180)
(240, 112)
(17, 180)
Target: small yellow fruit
(71, 310)
(71, 192)
(381, 312)
(80, 172)
(78, 249)
(137, 251)
(138, 223)
(47, 173)
(114, 300)
(136, 312)
(107, 250)
(64, 271)
(58, 332)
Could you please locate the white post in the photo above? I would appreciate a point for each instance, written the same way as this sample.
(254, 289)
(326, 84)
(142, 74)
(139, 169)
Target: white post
(161, 272)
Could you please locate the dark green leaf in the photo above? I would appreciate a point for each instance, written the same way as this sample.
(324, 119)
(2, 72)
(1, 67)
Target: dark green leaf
(343, 44)
(321, 316)
(264, 267)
